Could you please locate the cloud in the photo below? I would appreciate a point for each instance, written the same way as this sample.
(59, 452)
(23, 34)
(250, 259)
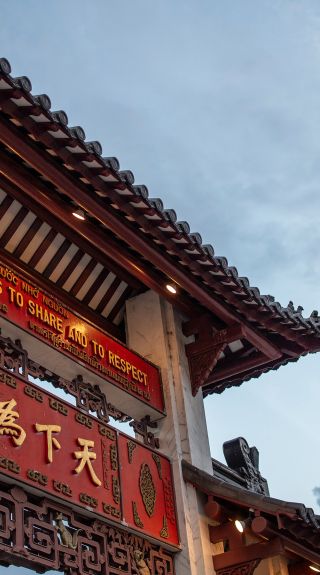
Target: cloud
(316, 492)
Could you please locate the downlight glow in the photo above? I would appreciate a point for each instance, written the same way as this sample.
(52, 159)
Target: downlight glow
(171, 288)
(239, 525)
(79, 214)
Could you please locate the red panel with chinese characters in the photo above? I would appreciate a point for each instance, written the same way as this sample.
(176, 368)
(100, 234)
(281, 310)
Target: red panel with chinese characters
(47, 319)
(58, 449)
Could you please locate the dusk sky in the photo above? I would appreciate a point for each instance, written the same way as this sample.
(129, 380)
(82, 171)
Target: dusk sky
(215, 106)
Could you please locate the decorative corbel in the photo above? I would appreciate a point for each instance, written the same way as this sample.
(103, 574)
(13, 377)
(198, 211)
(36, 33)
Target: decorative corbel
(204, 352)
(201, 363)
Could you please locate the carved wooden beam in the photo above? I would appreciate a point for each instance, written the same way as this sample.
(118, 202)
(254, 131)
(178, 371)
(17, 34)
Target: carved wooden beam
(248, 553)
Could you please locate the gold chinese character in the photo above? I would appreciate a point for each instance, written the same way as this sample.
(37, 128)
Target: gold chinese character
(7, 425)
(85, 457)
(51, 441)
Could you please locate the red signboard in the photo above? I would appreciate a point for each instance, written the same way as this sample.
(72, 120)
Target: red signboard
(49, 320)
(54, 447)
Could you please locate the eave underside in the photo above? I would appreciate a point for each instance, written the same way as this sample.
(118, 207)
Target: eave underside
(292, 522)
(130, 244)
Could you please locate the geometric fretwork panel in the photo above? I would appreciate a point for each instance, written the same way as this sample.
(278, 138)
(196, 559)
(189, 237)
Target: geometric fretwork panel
(43, 535)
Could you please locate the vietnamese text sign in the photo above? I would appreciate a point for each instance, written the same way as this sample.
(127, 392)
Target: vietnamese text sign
(49, 320)
(58, 449)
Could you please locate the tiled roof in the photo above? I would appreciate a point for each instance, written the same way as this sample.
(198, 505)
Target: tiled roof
(171, 237)
(291, 519)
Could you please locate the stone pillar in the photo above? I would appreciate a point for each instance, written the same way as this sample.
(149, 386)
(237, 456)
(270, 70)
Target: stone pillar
(154, 331)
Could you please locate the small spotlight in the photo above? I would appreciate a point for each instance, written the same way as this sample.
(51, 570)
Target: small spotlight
(79, 214)
(239, 525)
(171, 288)
(315, 568)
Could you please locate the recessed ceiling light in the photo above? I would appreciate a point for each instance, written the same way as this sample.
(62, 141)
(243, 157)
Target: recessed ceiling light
(239, 525)
(171, 288)
(79, 214)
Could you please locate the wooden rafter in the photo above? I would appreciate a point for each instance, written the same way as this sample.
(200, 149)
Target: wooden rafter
(83, 311)
(16, 179)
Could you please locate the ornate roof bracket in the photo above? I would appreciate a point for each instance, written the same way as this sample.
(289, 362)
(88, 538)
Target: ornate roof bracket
(204, 352)
(201, 364)
(246, 568)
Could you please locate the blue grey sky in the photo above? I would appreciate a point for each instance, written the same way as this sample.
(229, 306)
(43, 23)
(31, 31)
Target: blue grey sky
(214, 105)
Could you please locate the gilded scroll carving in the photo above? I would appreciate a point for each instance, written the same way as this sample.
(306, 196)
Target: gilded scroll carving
(114, 458)
(147, 489)
(164, 531)
(157, 461)
(115, 490)
(131, 447)
(136, 517)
